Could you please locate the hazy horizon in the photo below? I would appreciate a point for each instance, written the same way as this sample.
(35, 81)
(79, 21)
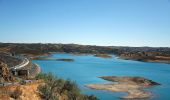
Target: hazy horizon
(135, 23)
(82, 44)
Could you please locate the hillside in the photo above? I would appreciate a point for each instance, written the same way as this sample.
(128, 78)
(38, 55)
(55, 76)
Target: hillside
(155, 54)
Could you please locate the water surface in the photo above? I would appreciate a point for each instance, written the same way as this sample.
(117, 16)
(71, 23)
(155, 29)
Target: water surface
(86, 69)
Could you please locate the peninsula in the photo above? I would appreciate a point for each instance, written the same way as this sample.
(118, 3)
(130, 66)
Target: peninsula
(134, 86)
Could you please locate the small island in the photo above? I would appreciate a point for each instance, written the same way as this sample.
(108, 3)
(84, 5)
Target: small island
(103, 55)
(41, 58)
(53, 59)
(134, 86)
(64, 59)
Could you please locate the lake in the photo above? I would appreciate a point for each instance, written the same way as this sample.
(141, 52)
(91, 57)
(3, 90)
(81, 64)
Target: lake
(86, 69)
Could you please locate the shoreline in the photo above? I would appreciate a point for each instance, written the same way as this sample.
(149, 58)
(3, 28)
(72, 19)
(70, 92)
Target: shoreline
(35, 71)
(116, 56)
(150, 61)
(39, 70)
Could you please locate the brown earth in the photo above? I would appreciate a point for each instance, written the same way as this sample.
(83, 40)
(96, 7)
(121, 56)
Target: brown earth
(5, 74)
(29, 91)
(103, 55)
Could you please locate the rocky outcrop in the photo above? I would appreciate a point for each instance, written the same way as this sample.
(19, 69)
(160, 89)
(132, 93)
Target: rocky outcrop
(103, 55)
(27, 91)
(5, 74)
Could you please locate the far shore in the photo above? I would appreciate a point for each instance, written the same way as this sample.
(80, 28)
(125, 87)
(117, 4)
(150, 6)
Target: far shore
(99, 55)
(147, 60)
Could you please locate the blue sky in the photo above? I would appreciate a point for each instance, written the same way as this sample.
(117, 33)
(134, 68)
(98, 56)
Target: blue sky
(93, 22)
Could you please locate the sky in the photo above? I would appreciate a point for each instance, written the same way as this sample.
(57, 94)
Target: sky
(88, 22)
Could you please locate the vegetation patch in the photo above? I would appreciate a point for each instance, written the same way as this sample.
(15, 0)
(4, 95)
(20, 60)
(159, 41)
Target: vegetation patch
(58, 89)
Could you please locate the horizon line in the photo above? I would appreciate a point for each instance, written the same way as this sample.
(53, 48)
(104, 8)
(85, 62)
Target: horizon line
(82, 44)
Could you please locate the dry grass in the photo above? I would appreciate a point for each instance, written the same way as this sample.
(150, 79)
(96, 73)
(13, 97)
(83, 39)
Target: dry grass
(29, 91)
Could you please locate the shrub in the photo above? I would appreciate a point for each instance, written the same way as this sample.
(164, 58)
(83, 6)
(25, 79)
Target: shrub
(55, 87)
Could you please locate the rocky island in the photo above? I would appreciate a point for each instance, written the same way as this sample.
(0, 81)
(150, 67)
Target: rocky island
(103, 55)
(52, 59)
(64, 59)
(134, 86)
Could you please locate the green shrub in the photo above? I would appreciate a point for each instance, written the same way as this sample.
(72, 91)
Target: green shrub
(55, 87)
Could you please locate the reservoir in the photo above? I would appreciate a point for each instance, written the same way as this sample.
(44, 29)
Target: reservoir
(86, 69)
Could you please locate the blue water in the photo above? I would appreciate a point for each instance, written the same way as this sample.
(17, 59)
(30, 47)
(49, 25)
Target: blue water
(86, 69)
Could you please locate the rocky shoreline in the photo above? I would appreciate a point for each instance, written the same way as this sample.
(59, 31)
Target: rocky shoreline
(35, 71)
(66, 60)
(134, 86)
(103, 55)
(145, 57)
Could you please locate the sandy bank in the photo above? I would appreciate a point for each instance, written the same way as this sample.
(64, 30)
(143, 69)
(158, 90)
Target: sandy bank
(132, 85)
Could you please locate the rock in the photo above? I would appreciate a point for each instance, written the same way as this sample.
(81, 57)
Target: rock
(5, 73)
